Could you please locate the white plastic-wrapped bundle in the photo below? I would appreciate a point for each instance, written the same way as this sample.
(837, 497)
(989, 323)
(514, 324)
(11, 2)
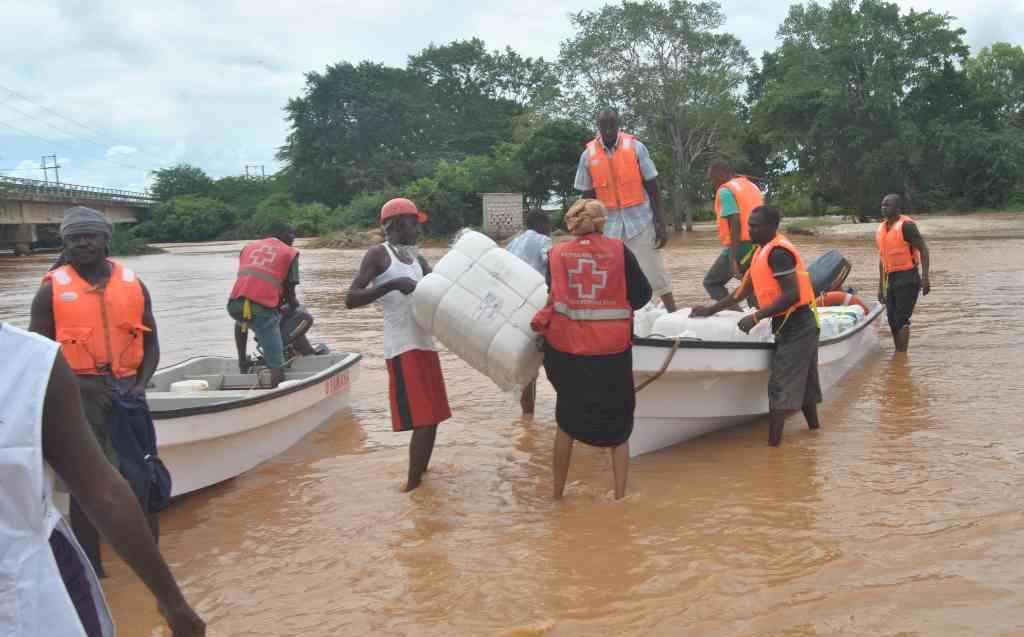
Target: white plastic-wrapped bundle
(644, 318)
(835, 320)
(479, 302)
(720, 327)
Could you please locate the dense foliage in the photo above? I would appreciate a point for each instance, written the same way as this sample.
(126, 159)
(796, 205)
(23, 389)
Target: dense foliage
(859, 99)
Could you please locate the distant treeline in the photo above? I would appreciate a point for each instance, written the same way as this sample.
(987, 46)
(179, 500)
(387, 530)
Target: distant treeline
(858, 100)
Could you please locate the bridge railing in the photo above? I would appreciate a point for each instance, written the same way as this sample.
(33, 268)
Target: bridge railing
(48, 190)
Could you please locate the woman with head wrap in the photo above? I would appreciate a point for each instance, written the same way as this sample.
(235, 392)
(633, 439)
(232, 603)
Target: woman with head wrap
(595, 284)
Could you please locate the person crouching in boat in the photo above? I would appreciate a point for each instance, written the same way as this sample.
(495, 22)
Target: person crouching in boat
(389, 273)
(595, 283)
(783, 289)
(268, 272)
(101, 314)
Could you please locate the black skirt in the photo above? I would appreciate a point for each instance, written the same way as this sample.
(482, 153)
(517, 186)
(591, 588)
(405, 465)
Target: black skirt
(595, 399)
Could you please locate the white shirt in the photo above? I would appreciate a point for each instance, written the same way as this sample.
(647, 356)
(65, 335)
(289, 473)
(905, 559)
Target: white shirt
(401, 331)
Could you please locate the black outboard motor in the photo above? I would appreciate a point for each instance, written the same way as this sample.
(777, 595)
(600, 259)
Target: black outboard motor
(828, 272)
(294, 323)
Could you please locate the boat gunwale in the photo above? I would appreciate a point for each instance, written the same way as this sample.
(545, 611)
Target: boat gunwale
(872, 316)
(305, 383)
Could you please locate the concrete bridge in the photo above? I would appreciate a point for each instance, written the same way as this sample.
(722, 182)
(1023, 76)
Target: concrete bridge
(26, 204)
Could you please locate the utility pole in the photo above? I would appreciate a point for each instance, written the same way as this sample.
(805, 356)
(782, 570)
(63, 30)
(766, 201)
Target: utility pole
(257, 171)
(47, 168)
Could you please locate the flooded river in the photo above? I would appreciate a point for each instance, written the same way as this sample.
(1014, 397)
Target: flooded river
(903, 516)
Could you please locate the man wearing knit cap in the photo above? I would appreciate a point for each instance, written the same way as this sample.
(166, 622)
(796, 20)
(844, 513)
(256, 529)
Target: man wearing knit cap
(101, 314)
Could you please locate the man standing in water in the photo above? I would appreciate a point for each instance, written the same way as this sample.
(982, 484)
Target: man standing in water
(101, 314)
(48, 586)
(532, 246)
(389, 273)
(616, 169)
(900, 248)
(735, 198)
(780, 282)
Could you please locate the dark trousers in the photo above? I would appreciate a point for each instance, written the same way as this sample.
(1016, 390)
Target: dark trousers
(720, 274)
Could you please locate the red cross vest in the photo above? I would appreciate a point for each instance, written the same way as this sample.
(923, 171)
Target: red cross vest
(588, 308)
(262, 270)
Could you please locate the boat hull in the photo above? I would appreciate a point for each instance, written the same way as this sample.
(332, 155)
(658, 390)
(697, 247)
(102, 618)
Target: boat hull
(711, 386)
(202, 445)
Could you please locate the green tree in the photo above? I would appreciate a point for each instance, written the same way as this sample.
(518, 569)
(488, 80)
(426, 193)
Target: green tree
(182, 179)
(998, 73)
(670, 70)
(476, 95)
(836, 98)
(550, 157)
(357, 128)
(188, 218)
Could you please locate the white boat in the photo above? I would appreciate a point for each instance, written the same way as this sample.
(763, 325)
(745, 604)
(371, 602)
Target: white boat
(208, 436)
(711, 385)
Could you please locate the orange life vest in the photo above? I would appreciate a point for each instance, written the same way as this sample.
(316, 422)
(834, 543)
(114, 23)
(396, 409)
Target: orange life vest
(748, 196)
(100, 330)
(588, 310)
(262, 269)
(766, 286)
(617, 181)
(896, 254)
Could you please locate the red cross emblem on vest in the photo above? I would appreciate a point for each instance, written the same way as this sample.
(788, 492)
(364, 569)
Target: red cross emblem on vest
(587, 279)
(263, 256)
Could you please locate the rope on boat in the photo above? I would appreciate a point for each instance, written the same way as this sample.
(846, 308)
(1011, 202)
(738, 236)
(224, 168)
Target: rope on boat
(668, 360)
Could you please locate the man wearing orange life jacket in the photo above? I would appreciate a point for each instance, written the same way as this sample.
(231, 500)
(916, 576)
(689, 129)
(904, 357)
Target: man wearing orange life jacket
(268, 271)
(779, 279)
(616, 169)
(595, 284)
(101, 314)
(735, 198)
(900, 248)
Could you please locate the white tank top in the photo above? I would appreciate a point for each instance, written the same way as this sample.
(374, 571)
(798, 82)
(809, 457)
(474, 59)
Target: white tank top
(401, 332)
(33, 599)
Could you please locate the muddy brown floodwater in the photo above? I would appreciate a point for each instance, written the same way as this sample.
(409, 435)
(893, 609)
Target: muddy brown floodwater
(903, 516)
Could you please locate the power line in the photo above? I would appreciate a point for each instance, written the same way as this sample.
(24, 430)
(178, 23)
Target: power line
(64, 131)
(75, 122)
(66, 147)
(75, 136)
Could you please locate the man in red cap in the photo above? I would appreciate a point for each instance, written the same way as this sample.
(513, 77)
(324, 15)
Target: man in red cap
(389, 273)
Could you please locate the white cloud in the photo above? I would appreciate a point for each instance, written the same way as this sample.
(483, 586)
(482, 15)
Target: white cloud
(121, 150)
(205, 81)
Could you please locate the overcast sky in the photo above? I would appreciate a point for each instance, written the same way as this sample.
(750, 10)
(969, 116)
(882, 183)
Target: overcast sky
(117, 88)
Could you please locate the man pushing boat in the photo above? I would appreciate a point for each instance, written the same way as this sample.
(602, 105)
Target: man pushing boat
(780, 282)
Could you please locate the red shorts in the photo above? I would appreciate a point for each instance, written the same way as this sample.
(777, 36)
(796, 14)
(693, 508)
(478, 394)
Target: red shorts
(416, 389)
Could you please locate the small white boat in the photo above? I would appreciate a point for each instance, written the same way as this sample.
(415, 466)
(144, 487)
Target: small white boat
(206, 436)
(711, 385)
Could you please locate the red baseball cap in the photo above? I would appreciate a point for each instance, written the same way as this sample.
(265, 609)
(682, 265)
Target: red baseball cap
(401, 206)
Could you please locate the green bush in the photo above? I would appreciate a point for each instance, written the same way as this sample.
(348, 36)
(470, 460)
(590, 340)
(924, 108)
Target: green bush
(360, 213)
(188, 218)
(126, 242)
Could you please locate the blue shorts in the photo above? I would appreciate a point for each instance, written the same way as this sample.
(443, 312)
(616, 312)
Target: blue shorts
(266, 326)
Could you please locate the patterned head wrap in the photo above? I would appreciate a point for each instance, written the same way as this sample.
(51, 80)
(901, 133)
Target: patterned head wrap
(586, 216)
(82, 220)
